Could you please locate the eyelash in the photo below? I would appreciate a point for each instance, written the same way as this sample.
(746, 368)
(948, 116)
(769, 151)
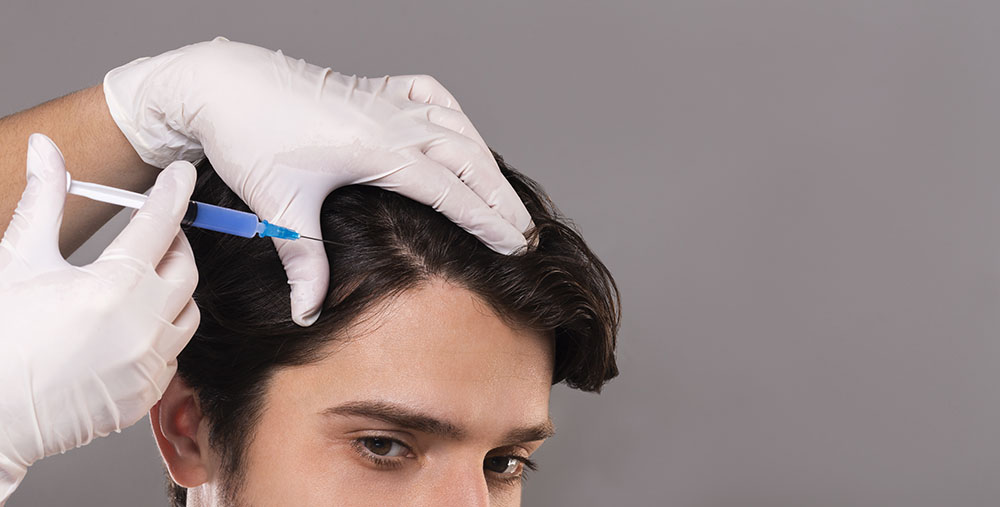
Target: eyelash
(522, 477)
(395, 463)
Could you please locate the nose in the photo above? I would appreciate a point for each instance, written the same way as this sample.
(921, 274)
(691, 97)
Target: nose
(456, 485)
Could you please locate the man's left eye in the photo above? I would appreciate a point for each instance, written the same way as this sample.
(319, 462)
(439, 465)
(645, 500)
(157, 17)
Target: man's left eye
(505, 465)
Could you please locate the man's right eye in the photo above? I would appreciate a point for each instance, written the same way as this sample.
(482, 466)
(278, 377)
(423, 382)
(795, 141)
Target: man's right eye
(384, 447)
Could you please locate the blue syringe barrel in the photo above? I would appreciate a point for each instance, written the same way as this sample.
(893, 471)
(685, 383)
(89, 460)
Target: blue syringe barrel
(217, 218)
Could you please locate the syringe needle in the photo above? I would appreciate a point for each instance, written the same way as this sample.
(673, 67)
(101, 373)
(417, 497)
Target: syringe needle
(317, 239)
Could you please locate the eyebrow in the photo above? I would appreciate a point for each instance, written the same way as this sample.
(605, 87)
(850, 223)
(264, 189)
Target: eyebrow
(406, 417)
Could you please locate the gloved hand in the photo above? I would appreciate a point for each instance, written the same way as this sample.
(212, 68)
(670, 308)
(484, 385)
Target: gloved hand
(283, 134)
(87, 350)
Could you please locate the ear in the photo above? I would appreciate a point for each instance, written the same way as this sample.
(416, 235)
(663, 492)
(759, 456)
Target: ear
(182, 434)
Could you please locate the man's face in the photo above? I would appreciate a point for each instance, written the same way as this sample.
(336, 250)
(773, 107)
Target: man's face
(433, 401)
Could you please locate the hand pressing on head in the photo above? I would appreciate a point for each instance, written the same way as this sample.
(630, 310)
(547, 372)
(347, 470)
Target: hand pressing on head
(283, 134)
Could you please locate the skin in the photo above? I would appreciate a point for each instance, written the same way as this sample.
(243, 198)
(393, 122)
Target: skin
(481, 389)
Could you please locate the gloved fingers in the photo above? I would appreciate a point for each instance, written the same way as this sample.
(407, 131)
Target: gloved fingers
(308, 270)
(305, 261)
(427, 90)
(160, 382)
(428, 182)
(178, 269)
(177, 335)
(131, 410)
(480, 172)
(450, 119)
(152, 230)
(157, 371)
(34, 229)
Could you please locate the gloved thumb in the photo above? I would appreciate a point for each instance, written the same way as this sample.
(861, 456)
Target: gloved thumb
(307, 268)
(149, 234)
(33, 233)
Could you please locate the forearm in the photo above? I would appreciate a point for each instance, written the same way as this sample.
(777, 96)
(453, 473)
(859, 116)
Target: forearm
(94, 148)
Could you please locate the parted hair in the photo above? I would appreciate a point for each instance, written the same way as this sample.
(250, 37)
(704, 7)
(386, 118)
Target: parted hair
(384, 243)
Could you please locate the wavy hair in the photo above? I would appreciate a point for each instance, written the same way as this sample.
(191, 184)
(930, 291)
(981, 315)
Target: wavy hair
(384, 244)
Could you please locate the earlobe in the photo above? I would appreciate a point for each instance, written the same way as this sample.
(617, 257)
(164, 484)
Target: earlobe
(178, 427)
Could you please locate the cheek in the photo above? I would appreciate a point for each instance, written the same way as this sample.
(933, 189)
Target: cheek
(288, 463)
(281, 468)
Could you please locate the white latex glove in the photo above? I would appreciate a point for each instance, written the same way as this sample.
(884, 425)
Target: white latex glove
(283, 134)
(87, 350)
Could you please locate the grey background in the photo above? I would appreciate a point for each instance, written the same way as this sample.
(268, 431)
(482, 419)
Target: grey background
(797, 198)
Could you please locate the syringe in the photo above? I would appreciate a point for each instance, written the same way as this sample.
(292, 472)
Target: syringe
(199, 214)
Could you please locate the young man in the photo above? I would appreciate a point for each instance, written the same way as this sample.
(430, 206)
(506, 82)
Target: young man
(425, 381)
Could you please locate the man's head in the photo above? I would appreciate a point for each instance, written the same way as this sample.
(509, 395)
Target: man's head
(424, 382)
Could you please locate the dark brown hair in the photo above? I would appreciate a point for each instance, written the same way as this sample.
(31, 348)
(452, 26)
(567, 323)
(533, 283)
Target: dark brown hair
(385, 244)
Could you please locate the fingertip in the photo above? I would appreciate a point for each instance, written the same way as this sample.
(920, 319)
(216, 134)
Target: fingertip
(165, 182)
(511, 242)
(39, 212)
(44, 158)
(184, 171)
(305, 308)
(306, 319)
(308, 272)
(174, 186)
(307, 295)
(184, 175)
(43, 142)
(519, 246)
(511, 207)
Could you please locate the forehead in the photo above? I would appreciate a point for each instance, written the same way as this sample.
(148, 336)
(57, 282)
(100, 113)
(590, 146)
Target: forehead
(438, 347)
